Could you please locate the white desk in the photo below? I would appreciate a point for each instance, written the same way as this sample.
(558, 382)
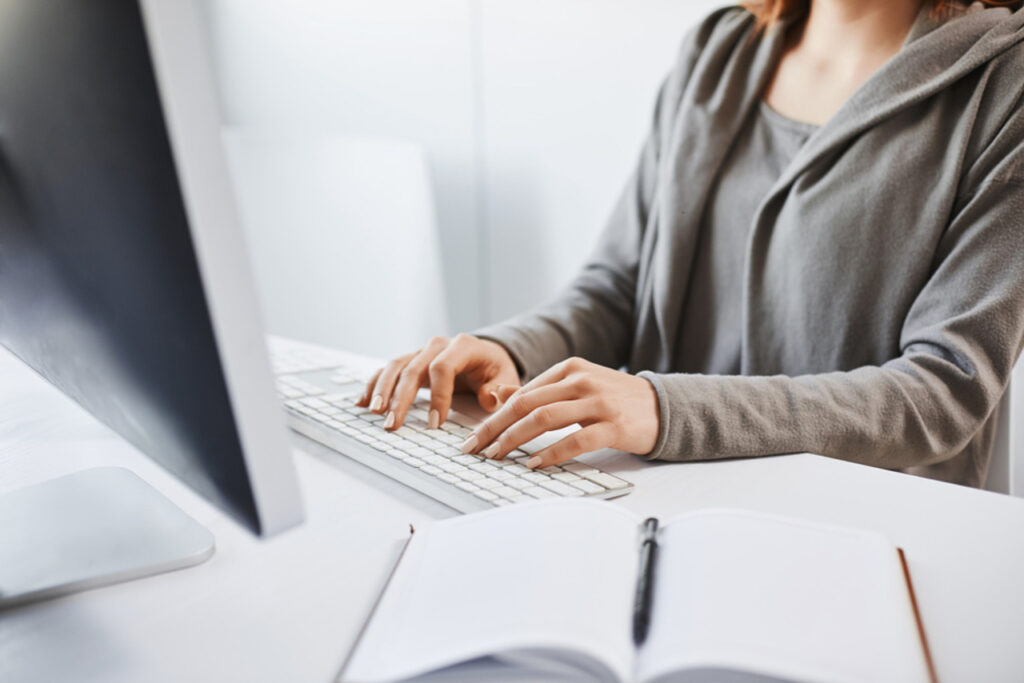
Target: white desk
(289, 608)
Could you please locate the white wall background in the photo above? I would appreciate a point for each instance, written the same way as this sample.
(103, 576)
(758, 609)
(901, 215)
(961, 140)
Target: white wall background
(531, 113)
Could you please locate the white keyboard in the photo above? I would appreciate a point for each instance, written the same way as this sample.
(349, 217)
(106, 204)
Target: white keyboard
(320, 395)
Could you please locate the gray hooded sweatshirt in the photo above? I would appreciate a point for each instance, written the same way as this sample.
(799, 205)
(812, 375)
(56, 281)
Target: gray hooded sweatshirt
(883, 291)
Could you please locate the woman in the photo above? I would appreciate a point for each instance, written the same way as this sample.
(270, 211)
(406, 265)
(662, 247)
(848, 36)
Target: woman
(821, 250)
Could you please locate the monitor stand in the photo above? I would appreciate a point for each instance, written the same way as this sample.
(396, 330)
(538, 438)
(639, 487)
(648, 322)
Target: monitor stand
(92, 528)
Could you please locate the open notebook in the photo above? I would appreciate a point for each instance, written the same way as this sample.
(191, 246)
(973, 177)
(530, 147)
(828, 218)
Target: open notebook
(545, 591)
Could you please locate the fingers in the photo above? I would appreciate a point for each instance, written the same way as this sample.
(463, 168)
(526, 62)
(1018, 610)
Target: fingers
(544, 419)
(410, 379)
(555, 373)
(380, 396)
(364, 400)
(442, 372)
(590, 438)
(518, 407)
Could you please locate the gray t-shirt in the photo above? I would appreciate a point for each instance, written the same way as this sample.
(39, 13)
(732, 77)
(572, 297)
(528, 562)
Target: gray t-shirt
(713, 314)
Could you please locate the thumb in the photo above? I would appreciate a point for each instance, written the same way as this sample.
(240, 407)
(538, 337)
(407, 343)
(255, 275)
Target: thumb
(493, 394)
(505, 392)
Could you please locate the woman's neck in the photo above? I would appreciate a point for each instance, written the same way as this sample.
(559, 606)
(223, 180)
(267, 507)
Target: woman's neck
(848, 35)
(838, 47)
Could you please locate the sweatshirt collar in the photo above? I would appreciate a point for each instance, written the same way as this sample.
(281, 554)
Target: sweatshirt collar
(934, 58)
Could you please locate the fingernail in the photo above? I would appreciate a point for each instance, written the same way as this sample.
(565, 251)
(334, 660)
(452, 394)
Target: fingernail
(497, 399)
(390, 421)
(533, 462)
(469, 445)
(377, 402)
(434, 419)
(491, 451)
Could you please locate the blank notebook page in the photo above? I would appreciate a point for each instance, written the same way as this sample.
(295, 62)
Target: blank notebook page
(519, 578)
(788, 599)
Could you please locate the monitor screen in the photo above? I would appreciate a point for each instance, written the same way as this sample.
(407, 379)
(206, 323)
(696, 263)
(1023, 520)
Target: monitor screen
(100, 290)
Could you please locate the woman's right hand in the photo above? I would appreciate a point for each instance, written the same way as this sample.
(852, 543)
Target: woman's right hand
(463, 363)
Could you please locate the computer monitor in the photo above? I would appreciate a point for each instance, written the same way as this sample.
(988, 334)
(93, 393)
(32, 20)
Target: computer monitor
(123, 273)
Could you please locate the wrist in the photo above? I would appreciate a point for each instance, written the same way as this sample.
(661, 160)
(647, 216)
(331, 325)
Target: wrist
(663, 428)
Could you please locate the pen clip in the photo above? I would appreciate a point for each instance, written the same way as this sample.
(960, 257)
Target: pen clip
(650, 529)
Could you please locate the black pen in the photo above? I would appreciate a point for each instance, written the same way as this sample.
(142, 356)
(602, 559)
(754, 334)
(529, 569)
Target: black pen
(645, 582)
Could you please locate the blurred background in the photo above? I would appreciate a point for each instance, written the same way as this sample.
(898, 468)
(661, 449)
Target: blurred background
(416, 167)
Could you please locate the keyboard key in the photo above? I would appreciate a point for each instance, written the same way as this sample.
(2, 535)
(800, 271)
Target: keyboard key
(315, 403)
(484, 467)
(448, 478)
(469, 475)
(395, 453)
(536, 477)
(561, 489)
(487, 484)
(538, 492)
(486, 495)
(449, 439)
(579, 468)
(449, 451)
(588, 487)
(506, 491)
(413, 461)
(567, 477)
(434, 471)
(606, 480)
(420, 451)
(463, 459)
(519, 484)
(466, 486)
(451, 467)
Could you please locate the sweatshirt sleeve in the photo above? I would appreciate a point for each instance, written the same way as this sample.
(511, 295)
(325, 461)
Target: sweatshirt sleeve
(958, 345)
(594, 316)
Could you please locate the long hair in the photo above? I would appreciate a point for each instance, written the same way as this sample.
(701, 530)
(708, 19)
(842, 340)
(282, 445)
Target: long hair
(770, 11)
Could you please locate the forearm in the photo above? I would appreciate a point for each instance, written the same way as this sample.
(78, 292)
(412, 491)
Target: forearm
(591, 319)
(910, 412)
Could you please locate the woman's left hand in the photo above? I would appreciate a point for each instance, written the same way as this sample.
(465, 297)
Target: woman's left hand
(614, 409)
